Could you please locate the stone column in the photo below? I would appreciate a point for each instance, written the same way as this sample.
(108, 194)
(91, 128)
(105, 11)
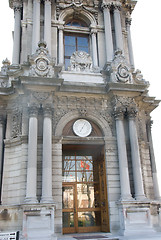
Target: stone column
(24, 34)
(153, 163)
(31, 186)
(24, 42)
(122, 155)
(135, 155)
(129, 41)
(108, 32)
(36, 25)
(47, 157)
(29, 26)
(61, 45)
(118, 27)
(1, 148)
(94, 48)
(17, 34)
(47, 24)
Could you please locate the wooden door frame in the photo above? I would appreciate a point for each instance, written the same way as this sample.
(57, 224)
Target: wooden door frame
(77, 229)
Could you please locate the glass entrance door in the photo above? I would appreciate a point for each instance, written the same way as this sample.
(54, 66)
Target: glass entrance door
(82, 193)
(69, 208)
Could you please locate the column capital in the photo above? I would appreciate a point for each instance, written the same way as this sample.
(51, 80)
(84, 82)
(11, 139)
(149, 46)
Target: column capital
(119, 113)
(132, 113)
(17, 6)
(47, 111)
(61, 27)
(93, 30)
(33, 111)
(116, 5)
(106, 6)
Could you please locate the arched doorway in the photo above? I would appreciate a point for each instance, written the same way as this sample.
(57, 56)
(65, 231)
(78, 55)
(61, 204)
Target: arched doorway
(84, 198)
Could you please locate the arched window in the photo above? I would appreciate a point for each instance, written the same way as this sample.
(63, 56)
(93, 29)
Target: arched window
(76, 38)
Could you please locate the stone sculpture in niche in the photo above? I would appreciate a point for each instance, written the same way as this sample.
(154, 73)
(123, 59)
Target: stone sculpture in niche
(41, 62)
(80, 62)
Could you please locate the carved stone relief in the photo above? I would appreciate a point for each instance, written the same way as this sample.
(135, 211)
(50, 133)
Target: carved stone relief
(80, 62)
(78, 6)
(42, 65)
(126, 102)
(16, 124)
(120, 69)
(83, 106)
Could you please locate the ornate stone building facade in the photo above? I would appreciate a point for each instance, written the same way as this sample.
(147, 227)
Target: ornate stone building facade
(76, 150)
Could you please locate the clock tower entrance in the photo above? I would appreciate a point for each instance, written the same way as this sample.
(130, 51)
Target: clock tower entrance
(84, 189)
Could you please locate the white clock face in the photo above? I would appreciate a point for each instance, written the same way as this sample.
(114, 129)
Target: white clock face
(82, 128)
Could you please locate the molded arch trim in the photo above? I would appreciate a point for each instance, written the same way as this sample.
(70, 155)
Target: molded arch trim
(100, 121)
(83, 14)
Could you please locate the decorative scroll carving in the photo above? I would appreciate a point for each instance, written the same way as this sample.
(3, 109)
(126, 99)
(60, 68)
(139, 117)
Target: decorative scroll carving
(80, 62)
(138, 77)
(120, 69)
(41, 62)
(122, 74)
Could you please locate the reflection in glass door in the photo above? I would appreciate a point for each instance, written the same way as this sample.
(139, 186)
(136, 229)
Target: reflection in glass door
(69, 207)
(81, 194)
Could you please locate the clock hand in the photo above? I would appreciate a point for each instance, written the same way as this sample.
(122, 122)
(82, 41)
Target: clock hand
(82, 127)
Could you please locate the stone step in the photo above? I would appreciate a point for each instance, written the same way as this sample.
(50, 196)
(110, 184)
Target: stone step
(88, 237)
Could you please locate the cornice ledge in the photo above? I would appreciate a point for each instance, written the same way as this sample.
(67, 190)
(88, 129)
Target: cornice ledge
(81, 87)
(110, 86)
(45, 81)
